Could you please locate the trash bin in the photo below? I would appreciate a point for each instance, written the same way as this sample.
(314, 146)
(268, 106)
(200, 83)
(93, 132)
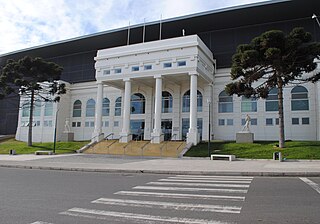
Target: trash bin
(277, 156)
(12, 152)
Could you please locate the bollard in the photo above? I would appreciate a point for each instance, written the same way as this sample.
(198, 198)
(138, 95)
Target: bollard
(277, 156)
(12, 152)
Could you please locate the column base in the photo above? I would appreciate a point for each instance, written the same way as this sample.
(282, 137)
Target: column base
(193, 137)
(97, 137)
(125, 137)
(157, 137)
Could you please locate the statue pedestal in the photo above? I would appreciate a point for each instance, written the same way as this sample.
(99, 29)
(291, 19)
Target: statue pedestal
(67, 137)
(244, 137)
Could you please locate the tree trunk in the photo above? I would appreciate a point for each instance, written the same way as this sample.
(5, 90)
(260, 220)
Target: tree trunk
(31, 119)
(281, 115)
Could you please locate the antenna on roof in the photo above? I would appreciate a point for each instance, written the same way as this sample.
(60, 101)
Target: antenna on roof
(144, 30)
(160, 27)
(183, 32)
(128, 39)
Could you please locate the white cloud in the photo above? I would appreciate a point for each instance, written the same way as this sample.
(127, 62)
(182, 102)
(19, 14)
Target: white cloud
(27, 23)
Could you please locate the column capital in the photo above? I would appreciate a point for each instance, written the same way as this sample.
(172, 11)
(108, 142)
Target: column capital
(193, 73)
(157, 76)
(127, 80)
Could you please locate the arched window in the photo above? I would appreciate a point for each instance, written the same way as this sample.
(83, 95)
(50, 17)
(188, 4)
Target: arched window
(77, 108)
(48, 109)
(225, 103)
(90, 108)
(105, 107)
(138, 103)
(299, 98)
(26, 109)
(186, 101)
(272, 100)
(248, 104)
(166, 102)
(117, 108)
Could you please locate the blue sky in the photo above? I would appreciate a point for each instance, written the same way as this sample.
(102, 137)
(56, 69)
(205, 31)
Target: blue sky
(28, 23)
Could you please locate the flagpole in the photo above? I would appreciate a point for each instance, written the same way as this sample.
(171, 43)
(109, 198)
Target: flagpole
(128, 39)
(160, 26)
(144, 30)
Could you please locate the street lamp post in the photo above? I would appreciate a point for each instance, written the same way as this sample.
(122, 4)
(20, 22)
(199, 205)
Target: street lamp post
(209, 130)
(55, 133)
(314, 16)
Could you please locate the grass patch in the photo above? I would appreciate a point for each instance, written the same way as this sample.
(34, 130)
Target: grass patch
(259, 150)
(22, 148)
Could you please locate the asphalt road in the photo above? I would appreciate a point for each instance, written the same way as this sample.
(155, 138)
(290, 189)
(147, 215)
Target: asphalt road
(61, 197)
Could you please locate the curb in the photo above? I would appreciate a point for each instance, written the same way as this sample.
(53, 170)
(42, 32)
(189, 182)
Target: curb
(173, 172)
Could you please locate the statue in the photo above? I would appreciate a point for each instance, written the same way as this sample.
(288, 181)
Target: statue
(67, 128)
(247, 124)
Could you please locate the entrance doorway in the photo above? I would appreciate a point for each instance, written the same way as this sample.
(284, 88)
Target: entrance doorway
(166, 127)
(137, 129)
(186, 125)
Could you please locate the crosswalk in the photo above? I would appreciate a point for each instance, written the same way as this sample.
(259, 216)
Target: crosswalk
(175, 199)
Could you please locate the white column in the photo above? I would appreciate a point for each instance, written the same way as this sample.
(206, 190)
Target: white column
(125, 133)
(97, 135)
(192, 136)
(156, 135)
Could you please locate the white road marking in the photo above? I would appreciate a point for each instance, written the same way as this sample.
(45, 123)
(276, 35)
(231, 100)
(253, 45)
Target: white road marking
(100, 214)
(204, 176)
(169, 205)
(312, 184)
(190, 189)
(174, 195)
(40, 222)
(200, 185)
(208, 181)
(209, 178)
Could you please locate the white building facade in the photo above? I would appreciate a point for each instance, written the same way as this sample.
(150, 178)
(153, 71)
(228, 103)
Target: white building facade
(164, 90)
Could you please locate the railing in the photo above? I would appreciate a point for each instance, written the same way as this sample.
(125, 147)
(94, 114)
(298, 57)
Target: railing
(106, 138)
(175, 137)
(124, 147)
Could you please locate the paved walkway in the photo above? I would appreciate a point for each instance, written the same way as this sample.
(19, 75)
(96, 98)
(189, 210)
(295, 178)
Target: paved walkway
(105, 163)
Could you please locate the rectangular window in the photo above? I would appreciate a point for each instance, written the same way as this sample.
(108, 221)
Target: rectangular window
(254, 121)
(91, 123)
(117, 70)
(135, 68)
(106, 123)
(78, 124)
(221, 122)
(147, 67)
(272, 106)
(181, 63)
(116, 124)
(86, 124)
(269, 121)
(167, 65)
(47, 123)
(295, 121)
(277, 121)
(74, 124)
(305, 120)
(106, 72)
(229, 122)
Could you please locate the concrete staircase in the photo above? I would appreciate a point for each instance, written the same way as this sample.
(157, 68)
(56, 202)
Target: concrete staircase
(138, 148)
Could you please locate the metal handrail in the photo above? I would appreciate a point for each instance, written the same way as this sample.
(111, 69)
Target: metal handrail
(106, 138)
(172, 137)
(124, 147)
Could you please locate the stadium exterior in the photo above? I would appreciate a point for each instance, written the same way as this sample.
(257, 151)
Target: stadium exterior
(171, 87)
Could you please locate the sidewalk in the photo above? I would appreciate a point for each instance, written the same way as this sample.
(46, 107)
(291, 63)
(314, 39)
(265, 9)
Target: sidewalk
(202, 166)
